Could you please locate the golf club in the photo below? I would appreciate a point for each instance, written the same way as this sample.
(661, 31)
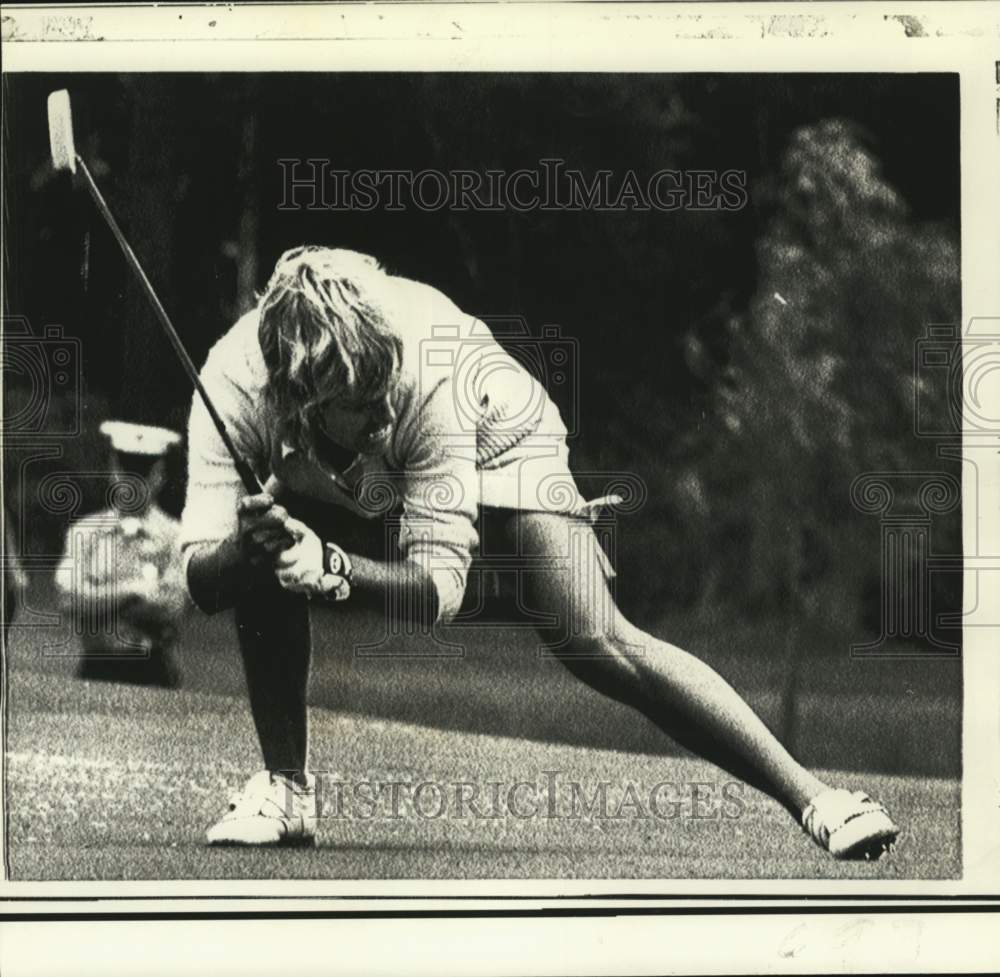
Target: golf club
(64, 157)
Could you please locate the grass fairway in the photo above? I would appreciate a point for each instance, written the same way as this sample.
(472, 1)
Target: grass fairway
(112, 782)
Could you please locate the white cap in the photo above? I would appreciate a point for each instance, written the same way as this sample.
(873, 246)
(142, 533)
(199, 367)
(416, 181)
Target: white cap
(139, 439)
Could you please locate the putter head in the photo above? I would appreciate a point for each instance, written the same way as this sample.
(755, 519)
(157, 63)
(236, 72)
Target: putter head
(61, 131)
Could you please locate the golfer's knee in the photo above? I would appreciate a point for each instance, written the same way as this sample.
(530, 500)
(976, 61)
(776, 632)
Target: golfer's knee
(261, 588)
(266, 606)
(603, 659)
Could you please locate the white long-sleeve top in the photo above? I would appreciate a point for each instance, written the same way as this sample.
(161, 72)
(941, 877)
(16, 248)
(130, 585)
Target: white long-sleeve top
(472, 428)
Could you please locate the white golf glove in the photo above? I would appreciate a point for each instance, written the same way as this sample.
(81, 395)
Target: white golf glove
(303, 567)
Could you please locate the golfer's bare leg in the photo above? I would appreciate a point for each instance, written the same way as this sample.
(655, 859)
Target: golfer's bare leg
(686, 698)
(272, 626)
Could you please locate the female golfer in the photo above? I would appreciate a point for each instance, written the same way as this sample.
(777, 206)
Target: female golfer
(345, 377)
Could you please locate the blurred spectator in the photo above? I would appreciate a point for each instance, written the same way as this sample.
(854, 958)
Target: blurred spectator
(120, 573)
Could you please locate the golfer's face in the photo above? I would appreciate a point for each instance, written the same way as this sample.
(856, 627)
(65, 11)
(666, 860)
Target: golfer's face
(365, 428)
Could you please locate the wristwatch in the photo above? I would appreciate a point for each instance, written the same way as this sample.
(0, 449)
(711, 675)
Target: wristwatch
(336, 562)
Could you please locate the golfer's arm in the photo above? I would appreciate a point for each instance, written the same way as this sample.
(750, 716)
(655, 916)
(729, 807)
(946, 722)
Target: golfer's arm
(217, 575)
(402, 587)
(218, 572)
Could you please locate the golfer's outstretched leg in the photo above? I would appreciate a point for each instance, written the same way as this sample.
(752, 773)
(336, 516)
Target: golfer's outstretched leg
(681, 694)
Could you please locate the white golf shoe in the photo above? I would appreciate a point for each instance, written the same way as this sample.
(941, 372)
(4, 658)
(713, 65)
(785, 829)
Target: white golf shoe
(270, 810)
(849, 825)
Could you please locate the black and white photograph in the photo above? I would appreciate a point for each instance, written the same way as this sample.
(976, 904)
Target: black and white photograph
(520, 476)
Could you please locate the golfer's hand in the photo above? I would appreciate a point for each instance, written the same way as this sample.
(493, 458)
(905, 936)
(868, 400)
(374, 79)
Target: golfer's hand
(263, 531)
(299, 568)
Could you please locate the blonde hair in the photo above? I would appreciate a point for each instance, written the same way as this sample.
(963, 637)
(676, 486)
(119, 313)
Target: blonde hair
(325, 336)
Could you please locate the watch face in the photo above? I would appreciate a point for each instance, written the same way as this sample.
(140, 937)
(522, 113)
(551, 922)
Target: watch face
(334, 560)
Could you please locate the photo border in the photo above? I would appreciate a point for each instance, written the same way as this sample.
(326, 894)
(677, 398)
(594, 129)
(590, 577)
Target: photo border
(640, 37)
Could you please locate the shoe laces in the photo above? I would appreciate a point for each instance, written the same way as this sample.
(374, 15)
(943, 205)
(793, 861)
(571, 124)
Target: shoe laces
(267, 793)
(248, 799)
(833, 809)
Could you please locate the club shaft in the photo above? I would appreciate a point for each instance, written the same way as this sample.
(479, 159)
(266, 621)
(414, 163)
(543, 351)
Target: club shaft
(246, 473)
